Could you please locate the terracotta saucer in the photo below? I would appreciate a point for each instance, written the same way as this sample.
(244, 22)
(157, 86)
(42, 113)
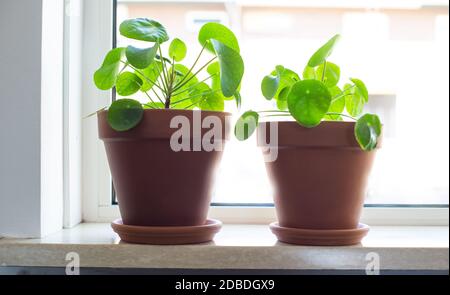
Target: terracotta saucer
(167, 235)
(320, 237)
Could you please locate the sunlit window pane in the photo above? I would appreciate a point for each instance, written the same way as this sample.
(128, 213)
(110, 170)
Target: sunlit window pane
(399, 48)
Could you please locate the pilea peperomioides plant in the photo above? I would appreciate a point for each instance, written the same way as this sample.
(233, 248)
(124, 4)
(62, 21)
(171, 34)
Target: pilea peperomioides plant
(315, 97)
(164, 81)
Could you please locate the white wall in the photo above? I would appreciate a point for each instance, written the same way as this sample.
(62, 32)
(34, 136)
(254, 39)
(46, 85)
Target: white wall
(31, 104)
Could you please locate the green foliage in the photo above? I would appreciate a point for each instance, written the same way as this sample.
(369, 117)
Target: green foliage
(246, 125)
(367, 131)
(308, 102)
(141, 58)
(164, 80)
(321, 55)
(231, 67)
(318, 97)
(144, 29)
(177, 49)
(124, 114)
(220, 33)
(128, 83)
(105, 77)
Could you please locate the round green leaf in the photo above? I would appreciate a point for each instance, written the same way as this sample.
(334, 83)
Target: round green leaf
(332, 74)
(149, 75)
(177, 50)
(282, 105)
(270, 83)
(269, 86)
(128, 83)
(231, 67)
(287, 79)
(308, 102)
(105, 77)
(124, 114)
(214, 70)
(141, 57)
(337, 104)
(212, 102)
(309, 73)
(182, 98)
(361, 88)
(368, 131)
(323, 52)
(143, 29)
(197, 94)
(282, 98)
(354, 101)
(246, 125)
(220, 33)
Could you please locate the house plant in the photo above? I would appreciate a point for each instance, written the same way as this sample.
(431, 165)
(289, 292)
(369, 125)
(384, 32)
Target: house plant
(323, 161)
(159, 184)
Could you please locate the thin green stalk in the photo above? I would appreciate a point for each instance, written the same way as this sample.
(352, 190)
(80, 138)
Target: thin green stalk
(193, 96)
(195, 63)
(324, 70)
(145, 77)
(195, 85)
(164, 70)
(153, 108)
(149, 97)
(193, 104)
(177, 87)
(340, 96)
(340, 114)
(156, 94)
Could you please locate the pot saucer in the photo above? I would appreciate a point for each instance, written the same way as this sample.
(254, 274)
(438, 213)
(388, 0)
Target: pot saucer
(320, 237)
(167, 235)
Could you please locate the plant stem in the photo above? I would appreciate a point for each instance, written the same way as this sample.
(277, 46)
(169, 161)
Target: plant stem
(195, 63)
(339, 96)
(340, 114)
(156, 94)
(324, 70)
(149, 97)
(166, 77)
(193, 86)
(193, 96)
(177, 87)
(145, 77)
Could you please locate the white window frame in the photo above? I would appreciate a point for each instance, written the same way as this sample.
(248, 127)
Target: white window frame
(96, 180)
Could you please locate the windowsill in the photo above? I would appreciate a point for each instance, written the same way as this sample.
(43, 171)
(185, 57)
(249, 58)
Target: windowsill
(250, 247)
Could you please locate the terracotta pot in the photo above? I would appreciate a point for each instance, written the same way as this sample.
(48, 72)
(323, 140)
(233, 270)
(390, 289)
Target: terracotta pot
(320, 175)
(155, 185)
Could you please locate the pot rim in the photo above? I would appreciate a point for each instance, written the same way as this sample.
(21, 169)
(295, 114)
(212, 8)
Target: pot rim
(328, 134)
(155, 124)
(177, 111)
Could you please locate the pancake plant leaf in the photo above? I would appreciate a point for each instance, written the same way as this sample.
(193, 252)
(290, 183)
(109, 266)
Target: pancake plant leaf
(165, 83)
(316, 97)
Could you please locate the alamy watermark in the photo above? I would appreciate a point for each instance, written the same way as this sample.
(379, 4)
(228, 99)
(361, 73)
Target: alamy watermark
(373, 263)
(73, 265)
(207, 133)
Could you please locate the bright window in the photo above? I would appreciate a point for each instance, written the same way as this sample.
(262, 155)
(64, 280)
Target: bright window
(399, 48)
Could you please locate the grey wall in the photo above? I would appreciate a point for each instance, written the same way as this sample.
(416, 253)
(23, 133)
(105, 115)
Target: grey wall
(20, 92)
(30, 123)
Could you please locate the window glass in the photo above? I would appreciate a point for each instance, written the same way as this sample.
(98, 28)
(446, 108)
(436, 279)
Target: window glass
(400, 50)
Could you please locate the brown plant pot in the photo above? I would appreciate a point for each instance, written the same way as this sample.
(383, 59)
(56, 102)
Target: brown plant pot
(155, 185)
(320, 175)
